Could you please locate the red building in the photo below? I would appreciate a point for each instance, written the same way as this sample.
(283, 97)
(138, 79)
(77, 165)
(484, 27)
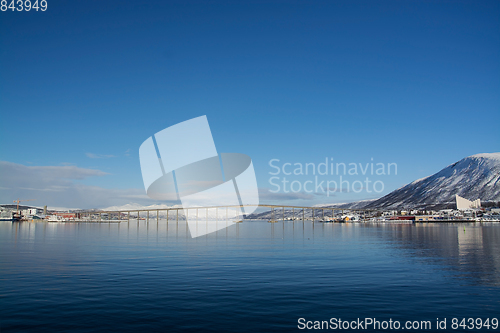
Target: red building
(68, 215)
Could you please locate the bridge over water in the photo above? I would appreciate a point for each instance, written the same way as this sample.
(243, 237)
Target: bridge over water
(277, 212)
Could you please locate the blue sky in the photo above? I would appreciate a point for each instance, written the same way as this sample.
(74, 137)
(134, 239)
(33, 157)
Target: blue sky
(84, 83)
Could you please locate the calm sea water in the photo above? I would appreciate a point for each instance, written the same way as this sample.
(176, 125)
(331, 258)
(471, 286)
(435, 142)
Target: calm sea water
(251, 277)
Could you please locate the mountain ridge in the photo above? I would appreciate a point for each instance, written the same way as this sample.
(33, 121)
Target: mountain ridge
(473, 177)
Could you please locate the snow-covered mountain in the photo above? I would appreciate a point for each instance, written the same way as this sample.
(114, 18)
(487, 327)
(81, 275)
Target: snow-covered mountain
(476, 176)
(351, 205)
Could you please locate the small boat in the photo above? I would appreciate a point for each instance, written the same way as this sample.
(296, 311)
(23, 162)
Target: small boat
(56, 218)
(15, 217)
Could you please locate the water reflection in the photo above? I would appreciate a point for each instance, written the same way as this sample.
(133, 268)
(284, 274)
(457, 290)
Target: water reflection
(150, 275)
(471, 252)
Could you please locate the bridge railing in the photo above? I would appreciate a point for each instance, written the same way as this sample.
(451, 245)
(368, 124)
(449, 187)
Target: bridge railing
(174, 212)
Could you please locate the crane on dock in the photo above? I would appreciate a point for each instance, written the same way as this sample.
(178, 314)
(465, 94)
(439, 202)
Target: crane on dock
(18, 201)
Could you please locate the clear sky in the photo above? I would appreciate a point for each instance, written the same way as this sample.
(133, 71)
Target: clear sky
(84, 83)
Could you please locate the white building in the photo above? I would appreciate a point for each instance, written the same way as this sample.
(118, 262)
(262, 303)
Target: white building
(464, 204)
(29, 212)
